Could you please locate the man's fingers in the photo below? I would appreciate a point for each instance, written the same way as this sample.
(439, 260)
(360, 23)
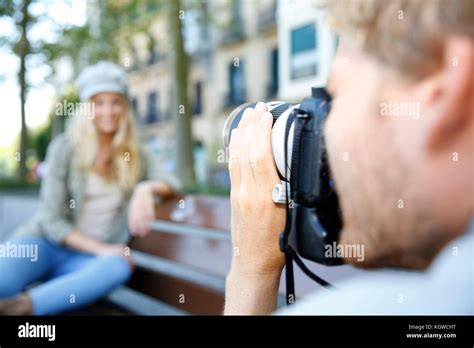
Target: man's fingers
(234, 155)
(246, 174)
(244, 151)
(245, 118)
(247, 137)
(265, 136)
(261, 107)
(251, 116)
(264, 166)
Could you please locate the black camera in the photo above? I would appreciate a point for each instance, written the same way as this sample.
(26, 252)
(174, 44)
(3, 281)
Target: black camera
(313, 215)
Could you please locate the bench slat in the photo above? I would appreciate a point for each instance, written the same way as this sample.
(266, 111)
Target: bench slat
(187, 296)
(141, 304)
(176, 270)
(189, 230)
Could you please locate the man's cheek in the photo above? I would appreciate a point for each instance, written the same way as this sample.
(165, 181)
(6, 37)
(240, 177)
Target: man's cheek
(338, 134)
(334, 144)
(344, 149)
(329, 136)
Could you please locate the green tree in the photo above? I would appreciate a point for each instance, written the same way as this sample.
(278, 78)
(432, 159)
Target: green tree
(30, 53)
(56, 124)
(18, 12)
(179, 64)
(119, 22)
(114, 25)
(97, 39)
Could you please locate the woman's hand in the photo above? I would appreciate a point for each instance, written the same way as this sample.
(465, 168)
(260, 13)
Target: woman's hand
(115, 249)
(256, 220)
(142, 209)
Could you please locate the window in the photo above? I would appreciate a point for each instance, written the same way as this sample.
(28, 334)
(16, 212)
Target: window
(152, 57)
(169, 111)
(236, 83)
(236, 14)
(234, 31)
(272, 88)
(197, 106)
(152, 115)
(135, 108)
(303, 51)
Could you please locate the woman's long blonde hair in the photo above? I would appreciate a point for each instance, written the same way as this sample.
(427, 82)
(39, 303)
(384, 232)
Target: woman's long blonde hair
(124, 165)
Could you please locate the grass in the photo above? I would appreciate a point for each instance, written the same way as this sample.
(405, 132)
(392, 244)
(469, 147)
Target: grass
(207, 190)
(16, 185)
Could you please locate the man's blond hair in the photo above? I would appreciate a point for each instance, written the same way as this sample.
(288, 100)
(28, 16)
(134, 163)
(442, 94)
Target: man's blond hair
(405, 34)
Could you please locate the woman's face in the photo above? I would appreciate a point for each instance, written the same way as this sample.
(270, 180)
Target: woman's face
(109, 109)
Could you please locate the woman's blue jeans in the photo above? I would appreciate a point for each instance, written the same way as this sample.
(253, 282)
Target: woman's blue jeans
(71, 279)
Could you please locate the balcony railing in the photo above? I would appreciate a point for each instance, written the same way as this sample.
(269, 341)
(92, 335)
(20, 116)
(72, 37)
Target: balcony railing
(233, 100)
(267, 19)
(271, 89)
(232, 35)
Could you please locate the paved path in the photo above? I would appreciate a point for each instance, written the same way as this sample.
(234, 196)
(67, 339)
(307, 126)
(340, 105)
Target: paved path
(15, 208)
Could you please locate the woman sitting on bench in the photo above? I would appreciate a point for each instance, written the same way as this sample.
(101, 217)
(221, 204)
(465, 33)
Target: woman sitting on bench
(80, 232)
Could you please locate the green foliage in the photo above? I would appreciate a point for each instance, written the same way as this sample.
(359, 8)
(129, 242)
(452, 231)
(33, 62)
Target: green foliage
(206, 190)
(112, 27)
(40, 138)
(115, 24)
(14, 184)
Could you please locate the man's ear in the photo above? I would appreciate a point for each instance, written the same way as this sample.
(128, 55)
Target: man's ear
(456, 94)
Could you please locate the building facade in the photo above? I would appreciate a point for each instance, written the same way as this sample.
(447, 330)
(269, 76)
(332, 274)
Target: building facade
(253, 50)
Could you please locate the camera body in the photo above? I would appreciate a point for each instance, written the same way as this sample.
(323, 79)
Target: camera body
(301, 160)
(315, 221)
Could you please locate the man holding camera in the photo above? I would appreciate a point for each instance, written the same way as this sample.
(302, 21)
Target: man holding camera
(405, 181)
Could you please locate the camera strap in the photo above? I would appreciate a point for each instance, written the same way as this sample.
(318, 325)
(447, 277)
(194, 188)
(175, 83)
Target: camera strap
(290, 253)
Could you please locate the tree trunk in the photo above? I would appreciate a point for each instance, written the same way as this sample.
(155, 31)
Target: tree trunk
(23, 50)
(180, 107)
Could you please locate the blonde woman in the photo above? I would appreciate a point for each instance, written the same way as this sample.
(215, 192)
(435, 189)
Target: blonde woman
(96, 174)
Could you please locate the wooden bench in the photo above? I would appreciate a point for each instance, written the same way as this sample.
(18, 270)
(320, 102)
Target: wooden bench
(182, 263)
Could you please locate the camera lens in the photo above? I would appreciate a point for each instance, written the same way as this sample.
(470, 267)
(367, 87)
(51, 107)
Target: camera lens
(276, 108)
(233, 121)
(280, 111)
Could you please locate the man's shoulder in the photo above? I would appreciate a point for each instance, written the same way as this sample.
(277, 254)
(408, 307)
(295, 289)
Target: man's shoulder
(447, 287)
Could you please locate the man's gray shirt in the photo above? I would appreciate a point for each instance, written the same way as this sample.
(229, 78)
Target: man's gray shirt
(445, 288)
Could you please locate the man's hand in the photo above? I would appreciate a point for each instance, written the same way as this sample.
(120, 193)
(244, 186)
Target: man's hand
(142, 209)
(256, 221)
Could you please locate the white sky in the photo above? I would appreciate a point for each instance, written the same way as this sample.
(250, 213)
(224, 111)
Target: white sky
(40, 97)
